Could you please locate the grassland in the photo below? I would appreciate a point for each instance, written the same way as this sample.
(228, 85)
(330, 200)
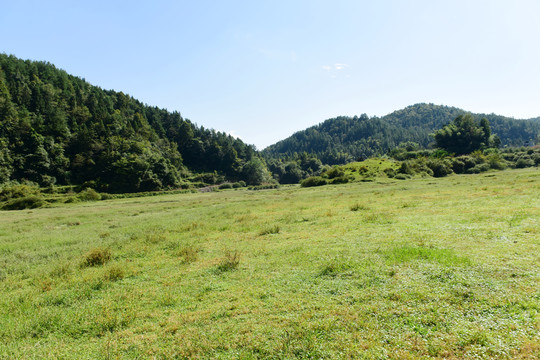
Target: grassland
(423, 268)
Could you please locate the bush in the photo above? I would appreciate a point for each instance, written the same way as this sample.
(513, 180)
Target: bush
(313, 181)
(89, 194)
(335, 173)
(340, 180)
(478, 169)
(524, 162)
(496, 162)
(402, 176)
(28, 202)
(440, 168)
(225, 186)
(390, 172)
(14, 191)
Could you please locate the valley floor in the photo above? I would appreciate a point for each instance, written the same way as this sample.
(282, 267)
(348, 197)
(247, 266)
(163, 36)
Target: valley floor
(422, 268)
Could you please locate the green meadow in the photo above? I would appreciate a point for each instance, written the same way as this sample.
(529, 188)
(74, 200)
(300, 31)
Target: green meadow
(387, 269)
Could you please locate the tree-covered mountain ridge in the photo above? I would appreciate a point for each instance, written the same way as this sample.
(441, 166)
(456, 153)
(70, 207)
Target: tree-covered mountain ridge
(56, 128)
(344, 138)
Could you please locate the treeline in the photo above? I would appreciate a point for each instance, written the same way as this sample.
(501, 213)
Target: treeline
(56, 128)
(345, 139)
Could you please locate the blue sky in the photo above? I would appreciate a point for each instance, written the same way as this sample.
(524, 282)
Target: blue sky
(262, 70)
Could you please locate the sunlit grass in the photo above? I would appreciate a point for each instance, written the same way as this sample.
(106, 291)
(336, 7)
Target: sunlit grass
(423, 268)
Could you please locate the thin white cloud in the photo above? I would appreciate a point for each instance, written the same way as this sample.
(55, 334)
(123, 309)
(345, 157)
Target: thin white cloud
(334, 67)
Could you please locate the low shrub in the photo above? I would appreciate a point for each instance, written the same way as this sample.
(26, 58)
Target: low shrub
(89, 194)
(225, 186)
(524, 162)
(28, 202)
(402, 176)
(340, 180)
(439, 167)
(313, 181)
(14, 191)
(335, 173)
(390, 172)
(478, 169)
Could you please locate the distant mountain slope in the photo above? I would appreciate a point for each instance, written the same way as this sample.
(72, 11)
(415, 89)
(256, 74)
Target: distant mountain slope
(344, 139)
(58, 128)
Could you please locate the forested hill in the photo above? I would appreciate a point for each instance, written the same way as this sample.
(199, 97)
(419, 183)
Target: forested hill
(58, 128)
(344, 139)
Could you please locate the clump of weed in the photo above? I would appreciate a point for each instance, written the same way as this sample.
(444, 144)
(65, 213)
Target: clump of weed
(357, 207)
(188, 254)
(61, 270)
(229, 262)
(114, 273)
(270, 230)
(378, 218)
(335, 266)
(154, 238)
(96, 257)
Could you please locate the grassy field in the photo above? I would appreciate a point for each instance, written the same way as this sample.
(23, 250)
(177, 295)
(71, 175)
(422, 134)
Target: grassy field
(423, 268)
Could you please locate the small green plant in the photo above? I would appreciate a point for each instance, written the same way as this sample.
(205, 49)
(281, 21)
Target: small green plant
(357, 207)
(96, 257)
(229, 262)
(114, 273)
(313, 181)
(188, 254)
(270, 230)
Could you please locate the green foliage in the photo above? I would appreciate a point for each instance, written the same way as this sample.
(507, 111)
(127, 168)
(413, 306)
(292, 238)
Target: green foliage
(58, 129)
(345, 139)
(26, 202)
(313, 181)
(229, 262)
(89, 194)
(447, 276)
(270, 230)
(463, 135)
(96, 257)
(11, 191)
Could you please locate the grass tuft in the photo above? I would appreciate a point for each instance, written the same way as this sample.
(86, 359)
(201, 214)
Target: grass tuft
(270, 230)
(96, 257)
(188, 254)
(229, 262)
(357, 207)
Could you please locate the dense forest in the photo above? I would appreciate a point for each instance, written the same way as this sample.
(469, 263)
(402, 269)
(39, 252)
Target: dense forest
(56, 128)
(344, 139)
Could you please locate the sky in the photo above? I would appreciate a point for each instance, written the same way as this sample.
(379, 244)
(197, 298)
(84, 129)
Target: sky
(262, 70)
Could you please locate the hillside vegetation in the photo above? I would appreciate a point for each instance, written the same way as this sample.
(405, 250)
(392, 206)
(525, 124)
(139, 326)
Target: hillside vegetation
(56, 128)
(426, 268)
(345, 139)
